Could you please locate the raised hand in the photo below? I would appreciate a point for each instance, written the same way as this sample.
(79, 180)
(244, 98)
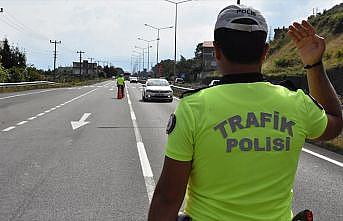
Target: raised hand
(310, 46)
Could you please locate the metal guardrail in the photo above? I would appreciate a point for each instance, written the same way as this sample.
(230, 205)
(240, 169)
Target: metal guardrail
(179, 90)
(182, 88)
(25, 83)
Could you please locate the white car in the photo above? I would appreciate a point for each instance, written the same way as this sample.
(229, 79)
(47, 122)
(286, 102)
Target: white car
(133, 79)
(157, 89)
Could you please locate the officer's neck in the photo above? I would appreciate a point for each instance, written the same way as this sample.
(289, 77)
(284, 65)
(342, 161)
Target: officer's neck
(234, 68)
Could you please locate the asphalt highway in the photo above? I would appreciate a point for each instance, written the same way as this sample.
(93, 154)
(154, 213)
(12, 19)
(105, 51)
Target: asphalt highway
(104, 165)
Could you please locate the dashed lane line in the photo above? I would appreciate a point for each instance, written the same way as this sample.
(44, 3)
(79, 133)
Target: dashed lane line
(145, 165)
(47, 111)
(19, 95)
(21, 123)
(8, 129)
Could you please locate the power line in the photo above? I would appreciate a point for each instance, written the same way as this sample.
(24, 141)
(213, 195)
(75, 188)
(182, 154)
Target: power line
(28, 29)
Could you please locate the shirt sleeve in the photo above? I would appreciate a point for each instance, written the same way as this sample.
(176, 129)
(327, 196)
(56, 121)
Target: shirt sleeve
(316, 119)
(180, 143)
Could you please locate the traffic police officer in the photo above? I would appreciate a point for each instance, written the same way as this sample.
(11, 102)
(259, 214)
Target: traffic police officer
(235, 147)
(120, 85)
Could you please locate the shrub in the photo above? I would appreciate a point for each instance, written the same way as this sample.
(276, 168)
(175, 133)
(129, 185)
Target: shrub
(3, 74)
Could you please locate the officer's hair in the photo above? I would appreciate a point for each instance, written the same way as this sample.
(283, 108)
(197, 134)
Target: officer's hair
(240, 46)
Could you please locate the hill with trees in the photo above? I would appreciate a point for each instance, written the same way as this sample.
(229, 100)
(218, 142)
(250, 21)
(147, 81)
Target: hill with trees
(283, 58)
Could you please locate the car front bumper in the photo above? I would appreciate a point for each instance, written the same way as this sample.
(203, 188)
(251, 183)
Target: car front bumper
(159, 96)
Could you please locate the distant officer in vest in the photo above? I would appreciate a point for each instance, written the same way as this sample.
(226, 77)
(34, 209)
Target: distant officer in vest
(233, 148)
(120, 86)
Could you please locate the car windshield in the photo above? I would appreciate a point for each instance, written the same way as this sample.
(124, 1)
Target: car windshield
(157, 82)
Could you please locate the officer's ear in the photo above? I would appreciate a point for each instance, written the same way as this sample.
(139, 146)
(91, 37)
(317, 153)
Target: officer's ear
(265, 52)
(217, 51)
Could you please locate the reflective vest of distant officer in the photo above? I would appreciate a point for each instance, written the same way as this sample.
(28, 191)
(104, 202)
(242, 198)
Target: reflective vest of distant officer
(120, 85)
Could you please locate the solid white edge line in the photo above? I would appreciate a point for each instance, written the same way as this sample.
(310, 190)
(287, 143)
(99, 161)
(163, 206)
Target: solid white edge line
(39, 115)
(323, 157)
(8, 129)
(145, 165)
(31, 118)
(147, 172)
(133, 116)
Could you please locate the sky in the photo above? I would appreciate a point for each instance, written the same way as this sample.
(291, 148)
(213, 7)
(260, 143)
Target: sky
(108, 30)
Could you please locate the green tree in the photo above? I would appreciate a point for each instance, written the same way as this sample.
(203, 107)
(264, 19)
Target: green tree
(33, 74)
(166, 67)
(6, 55)
(16, 74)
(11, 56)
(3, 74)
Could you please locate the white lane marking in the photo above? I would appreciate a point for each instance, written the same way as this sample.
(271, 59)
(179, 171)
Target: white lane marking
(19, 95)
(133, 116)
(323, 157)
(47, 111)
(145, 165)
(8, 129)
(82, 122)
(21, 123)
(58, 106)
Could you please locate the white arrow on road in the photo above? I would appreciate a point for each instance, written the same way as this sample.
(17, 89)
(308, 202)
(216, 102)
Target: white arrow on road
(82, 122)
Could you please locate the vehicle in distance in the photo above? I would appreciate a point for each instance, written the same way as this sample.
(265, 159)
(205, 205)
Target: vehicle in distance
(179, 81)
(157, 89)
(133, 79)
(214, 82)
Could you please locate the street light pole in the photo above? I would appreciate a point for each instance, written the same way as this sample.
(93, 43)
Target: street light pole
(143, 54)
(148, 41)
(138, 59)
(175, 36)
(158, 38)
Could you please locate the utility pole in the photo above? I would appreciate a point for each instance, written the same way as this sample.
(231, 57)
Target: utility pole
(1, 9)
(55, 55)
(238, 2)
(91, 59)
(80, 52)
